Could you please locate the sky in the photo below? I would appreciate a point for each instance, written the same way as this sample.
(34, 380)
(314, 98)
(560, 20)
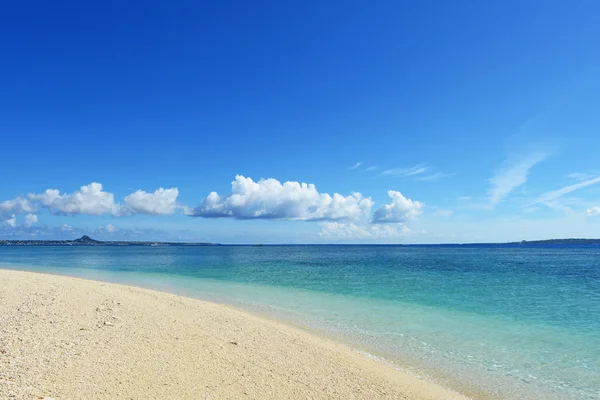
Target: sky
(300, 122)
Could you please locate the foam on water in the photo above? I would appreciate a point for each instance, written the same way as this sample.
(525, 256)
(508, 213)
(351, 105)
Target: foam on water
(507, 323)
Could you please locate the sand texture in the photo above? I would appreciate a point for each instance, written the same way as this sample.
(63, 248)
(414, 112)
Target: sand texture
(69, 338)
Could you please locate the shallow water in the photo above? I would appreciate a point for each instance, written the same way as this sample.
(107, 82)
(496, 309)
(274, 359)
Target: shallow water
(510, 322)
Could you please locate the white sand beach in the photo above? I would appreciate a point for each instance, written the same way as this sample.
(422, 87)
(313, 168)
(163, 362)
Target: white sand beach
(69, 338)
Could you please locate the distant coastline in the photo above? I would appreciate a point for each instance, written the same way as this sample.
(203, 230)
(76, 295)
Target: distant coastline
(88, 241)
(545, 242)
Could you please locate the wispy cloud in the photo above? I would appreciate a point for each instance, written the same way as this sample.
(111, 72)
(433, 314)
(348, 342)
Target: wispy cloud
(419, 172)
(579, 176)
(444, 213)
(107, 232)
(550, 197)
(512, 176)
(434, 177)
(415, 170)
(358, 164)
(371, 168)
(592, 212)
(349, 231)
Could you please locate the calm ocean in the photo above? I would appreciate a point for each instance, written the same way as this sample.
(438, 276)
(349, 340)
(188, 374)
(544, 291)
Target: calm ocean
(517, 322)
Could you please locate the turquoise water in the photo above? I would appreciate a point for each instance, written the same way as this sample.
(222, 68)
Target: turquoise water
(505, 322)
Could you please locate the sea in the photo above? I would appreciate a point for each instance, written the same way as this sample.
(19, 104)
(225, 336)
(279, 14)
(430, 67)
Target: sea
(490, 321)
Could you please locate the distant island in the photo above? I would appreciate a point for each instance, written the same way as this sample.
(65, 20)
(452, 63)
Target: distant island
(545, 242)
(88, 241)
(561, 241)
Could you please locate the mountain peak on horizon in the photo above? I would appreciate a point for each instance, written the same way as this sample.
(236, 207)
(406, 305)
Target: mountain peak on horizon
(86, 239)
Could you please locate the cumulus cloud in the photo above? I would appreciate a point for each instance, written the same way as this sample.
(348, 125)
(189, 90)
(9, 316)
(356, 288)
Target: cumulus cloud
(401, 209)
(511, 177)
(270, 199)
(161, 202)
(333, 230)
(30, 219)
(12, 221)
(18, 205)
(93, 200)
(592, 212)
(90, 200)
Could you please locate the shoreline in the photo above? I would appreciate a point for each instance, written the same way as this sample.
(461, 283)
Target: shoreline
(404, 363)
(306, 364)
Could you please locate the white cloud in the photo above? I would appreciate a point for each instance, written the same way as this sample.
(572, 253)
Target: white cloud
(161, 202)
(30, 219)
(371, 168)
(93, 200)
(579, 176)
(511, 177)
(592, 212)
(18, 205)
(66, 228)
(358, 164)
(89, 200)
(444, 213)
(333, 230)
(109, 228)
(12, 221)
(270, 199)
(548, 198)
(434, 177)
(415, 170)
(400, 209)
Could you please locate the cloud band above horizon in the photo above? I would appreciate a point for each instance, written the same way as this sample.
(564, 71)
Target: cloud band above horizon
(93, 200)
(266, 199)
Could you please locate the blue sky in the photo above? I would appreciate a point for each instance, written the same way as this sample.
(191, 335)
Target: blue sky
(457, 121)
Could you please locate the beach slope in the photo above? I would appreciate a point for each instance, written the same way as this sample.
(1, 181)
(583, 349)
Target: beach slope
(69, 338)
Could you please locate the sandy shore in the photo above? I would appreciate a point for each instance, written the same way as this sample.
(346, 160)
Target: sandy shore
(68, 338)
